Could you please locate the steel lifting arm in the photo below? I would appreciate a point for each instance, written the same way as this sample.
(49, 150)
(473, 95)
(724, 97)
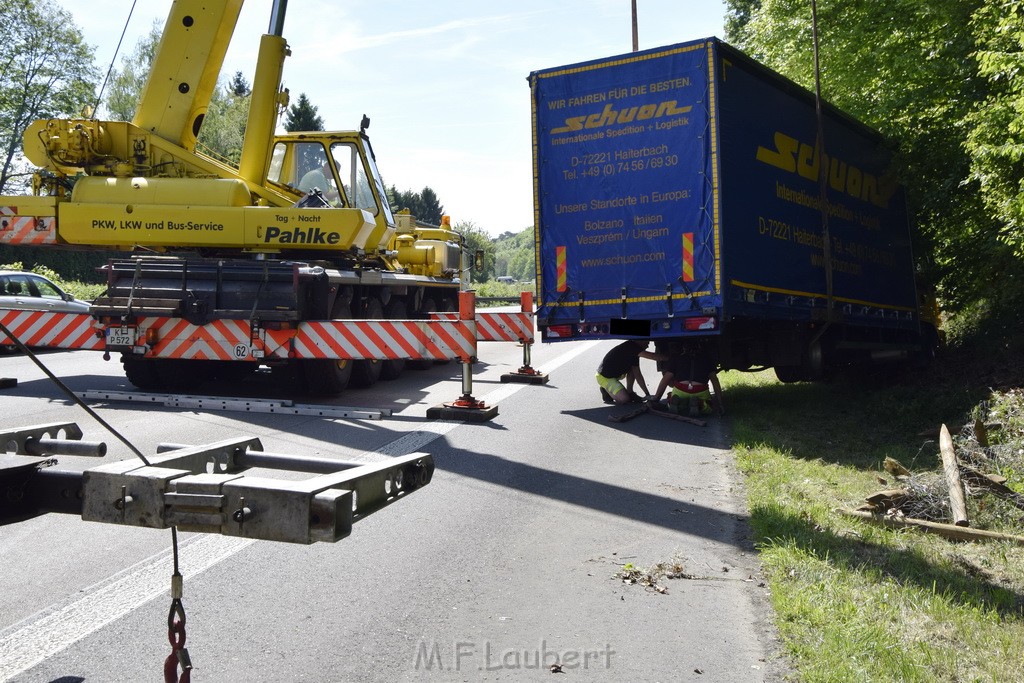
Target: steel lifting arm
(204, 489)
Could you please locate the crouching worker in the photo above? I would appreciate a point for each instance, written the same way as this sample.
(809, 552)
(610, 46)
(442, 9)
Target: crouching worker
(623, 361)
(690, 373)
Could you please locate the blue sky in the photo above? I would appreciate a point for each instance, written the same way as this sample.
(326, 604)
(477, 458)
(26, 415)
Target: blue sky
(443, 82)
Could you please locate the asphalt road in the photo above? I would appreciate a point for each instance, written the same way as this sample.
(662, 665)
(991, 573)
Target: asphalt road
(505, 564)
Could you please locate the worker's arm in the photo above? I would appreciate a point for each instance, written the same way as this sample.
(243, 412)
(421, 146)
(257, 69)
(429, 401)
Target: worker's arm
(666, 380)
(634, 374)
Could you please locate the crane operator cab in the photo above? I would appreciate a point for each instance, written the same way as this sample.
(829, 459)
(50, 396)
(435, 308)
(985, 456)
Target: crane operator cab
(315, 167)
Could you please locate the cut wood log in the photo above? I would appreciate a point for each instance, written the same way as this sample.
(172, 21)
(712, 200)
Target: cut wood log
(951, 531)
(951, 468)
(992, 483)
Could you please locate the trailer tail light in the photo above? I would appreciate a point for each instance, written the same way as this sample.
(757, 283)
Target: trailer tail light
(560, 331)
(151, 337)
(708, 322)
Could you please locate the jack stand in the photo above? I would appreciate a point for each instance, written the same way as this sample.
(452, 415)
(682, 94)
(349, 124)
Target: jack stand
(526, 374)
(465, 408)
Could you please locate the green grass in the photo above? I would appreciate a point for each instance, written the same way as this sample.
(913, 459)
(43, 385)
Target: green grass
(857, 602)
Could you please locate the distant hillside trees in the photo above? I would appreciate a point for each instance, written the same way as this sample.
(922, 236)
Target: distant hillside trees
(514, 255)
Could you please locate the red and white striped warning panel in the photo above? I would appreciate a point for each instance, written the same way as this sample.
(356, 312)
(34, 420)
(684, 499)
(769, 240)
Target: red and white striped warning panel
(513, 327)
(233, 339)
(218, 340)
(387, 339)
(54, 330)
(26, 230)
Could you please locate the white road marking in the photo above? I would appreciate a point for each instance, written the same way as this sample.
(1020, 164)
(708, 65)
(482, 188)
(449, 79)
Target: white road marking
(52, 630)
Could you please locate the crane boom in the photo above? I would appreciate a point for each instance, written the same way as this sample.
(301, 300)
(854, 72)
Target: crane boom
(185, 69)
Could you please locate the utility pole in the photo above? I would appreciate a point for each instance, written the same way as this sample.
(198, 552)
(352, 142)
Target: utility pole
(636, 42)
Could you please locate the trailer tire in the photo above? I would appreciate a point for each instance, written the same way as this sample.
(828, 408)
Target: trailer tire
(366, 372)
(391, 369)
(330, 377)
(789, 374)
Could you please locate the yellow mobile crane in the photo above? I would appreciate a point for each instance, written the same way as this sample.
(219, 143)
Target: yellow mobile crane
(210, 242)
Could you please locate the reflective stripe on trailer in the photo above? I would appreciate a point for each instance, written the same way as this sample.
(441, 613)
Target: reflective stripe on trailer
(26, 230)
(55, 330)
(512, 327)
(387, 339)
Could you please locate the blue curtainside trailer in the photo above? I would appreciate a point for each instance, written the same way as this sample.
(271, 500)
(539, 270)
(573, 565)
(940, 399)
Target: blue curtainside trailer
(680, 194)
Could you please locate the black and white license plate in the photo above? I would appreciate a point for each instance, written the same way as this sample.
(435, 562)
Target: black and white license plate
(120, 336)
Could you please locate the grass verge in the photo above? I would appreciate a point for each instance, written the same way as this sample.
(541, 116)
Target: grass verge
(856, 602)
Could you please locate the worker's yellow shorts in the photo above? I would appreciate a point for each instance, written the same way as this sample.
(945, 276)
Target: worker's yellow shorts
(610, 384)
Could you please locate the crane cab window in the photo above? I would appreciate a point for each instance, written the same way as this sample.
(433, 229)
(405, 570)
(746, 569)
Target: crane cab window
(353, 176)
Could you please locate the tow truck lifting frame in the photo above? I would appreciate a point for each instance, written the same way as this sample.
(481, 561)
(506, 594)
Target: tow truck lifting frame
(205, 488)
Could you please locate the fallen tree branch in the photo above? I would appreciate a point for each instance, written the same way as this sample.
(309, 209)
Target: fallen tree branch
(992, 484)
(951, 531)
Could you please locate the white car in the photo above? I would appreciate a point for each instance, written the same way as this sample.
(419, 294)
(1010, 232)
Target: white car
(30, 292)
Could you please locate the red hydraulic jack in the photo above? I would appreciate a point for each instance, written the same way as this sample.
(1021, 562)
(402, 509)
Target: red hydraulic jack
(526, 374)
(466, 407)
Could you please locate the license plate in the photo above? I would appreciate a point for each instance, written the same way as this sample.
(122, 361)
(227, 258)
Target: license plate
(120, 336)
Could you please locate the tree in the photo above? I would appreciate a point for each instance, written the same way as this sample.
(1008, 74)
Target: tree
(239, 87)
(996, 142)
(424, 205)
(738, 14)
(223, 130)
(431, 210)
(46, 70)
(126, 84)
(302, 116)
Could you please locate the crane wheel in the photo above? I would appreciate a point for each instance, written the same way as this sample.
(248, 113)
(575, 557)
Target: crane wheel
(141, 372)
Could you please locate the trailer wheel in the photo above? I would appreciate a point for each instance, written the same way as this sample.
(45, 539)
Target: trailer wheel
(391, 369)
(330, 377)
(141, 372)
(366, 372)
(788, 374)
